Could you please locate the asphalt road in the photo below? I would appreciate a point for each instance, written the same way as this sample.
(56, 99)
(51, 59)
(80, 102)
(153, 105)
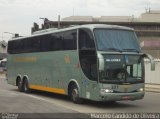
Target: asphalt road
(13, 101)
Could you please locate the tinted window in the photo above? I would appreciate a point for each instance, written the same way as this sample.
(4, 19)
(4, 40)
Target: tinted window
(57, 41)
(51, 42)
(15, 46)
(35, 46)
(46, 43)
(85, 39)
(27, 45)
(70, 40)
(87, 54)
(10, 46)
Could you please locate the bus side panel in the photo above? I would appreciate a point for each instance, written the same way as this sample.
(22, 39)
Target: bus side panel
(11, 70)
(49, 71)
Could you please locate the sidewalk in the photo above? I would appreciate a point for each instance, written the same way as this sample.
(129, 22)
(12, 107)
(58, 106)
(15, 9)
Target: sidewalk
(152, 88)
(2, 75)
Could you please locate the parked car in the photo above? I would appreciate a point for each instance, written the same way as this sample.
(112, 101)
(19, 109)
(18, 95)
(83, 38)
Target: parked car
(3, 65)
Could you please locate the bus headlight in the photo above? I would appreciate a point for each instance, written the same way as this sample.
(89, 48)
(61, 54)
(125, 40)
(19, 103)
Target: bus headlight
(140, 90)
(106, 91)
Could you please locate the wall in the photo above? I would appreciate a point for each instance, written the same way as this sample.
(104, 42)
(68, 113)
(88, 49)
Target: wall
(152, 76)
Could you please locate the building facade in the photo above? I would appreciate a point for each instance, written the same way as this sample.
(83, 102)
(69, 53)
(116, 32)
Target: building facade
(3, 49)
(147, 27)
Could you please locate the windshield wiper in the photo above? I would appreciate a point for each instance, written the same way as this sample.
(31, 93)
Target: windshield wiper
(114, 49)
(133, 50)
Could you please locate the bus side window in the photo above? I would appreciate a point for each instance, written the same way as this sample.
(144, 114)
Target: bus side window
(87, 54)
(85, 39)
(70, 40)
(35, 44)
(58, 41)
(11, 47)
(46, 43)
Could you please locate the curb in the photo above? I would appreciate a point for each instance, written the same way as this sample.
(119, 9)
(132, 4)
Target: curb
(152, 87)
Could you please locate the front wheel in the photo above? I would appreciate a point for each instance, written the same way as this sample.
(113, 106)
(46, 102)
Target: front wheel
(74, 94)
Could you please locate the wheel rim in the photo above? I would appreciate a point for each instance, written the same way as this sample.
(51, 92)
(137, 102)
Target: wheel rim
(19, 85)
(25, 87)
(74, 94)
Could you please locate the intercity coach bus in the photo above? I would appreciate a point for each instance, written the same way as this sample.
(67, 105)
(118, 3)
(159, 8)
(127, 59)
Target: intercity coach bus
(96, 62)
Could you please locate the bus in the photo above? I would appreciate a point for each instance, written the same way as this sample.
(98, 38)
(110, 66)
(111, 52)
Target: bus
(95, 61)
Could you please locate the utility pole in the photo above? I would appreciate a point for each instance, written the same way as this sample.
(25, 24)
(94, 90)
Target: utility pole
(59, 22)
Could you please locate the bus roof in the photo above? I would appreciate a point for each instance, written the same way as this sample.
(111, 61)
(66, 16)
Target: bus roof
(89, 26)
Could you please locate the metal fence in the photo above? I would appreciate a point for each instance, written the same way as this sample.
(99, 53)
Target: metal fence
(152, 77)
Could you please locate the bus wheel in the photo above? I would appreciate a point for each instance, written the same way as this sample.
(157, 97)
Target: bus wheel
(26, 86)
(19, 84)
(74, 94)
(111, 102)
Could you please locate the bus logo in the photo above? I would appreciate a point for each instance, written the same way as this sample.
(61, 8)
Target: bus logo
(67, 59)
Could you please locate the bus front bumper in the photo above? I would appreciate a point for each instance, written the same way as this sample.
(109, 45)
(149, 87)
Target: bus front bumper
(121, 96)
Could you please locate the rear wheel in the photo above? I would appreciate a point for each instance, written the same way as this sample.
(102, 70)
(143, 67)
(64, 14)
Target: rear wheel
(25, 86)
(111, 102)
(19, 84)
(74, 94)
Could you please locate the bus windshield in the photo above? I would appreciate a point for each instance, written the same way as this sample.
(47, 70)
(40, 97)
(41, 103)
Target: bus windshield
(116, 40)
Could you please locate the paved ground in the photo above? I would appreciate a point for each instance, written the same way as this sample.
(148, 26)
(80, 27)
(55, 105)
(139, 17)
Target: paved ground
(11, 100)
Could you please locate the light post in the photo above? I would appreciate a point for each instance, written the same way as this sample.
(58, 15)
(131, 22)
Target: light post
(44, 19)
(10, 33)
(13, 34)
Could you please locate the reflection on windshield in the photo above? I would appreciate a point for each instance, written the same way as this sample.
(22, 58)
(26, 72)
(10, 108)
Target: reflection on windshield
(122, 40)
(132, 73)
(124, 70)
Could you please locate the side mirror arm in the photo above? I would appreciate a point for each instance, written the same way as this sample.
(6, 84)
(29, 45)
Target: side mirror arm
(151, 60)
(101, 62)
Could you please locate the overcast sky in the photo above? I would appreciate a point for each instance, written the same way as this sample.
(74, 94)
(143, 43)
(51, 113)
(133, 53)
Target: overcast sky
(17, 16)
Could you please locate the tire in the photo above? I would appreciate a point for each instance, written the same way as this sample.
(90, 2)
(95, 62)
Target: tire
(25, 86)
(19, 85)
(74, 94)
(111, 102)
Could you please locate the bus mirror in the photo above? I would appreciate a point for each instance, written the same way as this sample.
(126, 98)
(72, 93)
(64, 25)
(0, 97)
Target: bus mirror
(151, 61)
(101, 62)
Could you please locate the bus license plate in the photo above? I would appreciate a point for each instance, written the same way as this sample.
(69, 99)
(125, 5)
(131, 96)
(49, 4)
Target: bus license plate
(126, 97)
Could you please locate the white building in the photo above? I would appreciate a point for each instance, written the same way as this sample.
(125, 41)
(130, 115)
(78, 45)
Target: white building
(3, 49)
(148, 16)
